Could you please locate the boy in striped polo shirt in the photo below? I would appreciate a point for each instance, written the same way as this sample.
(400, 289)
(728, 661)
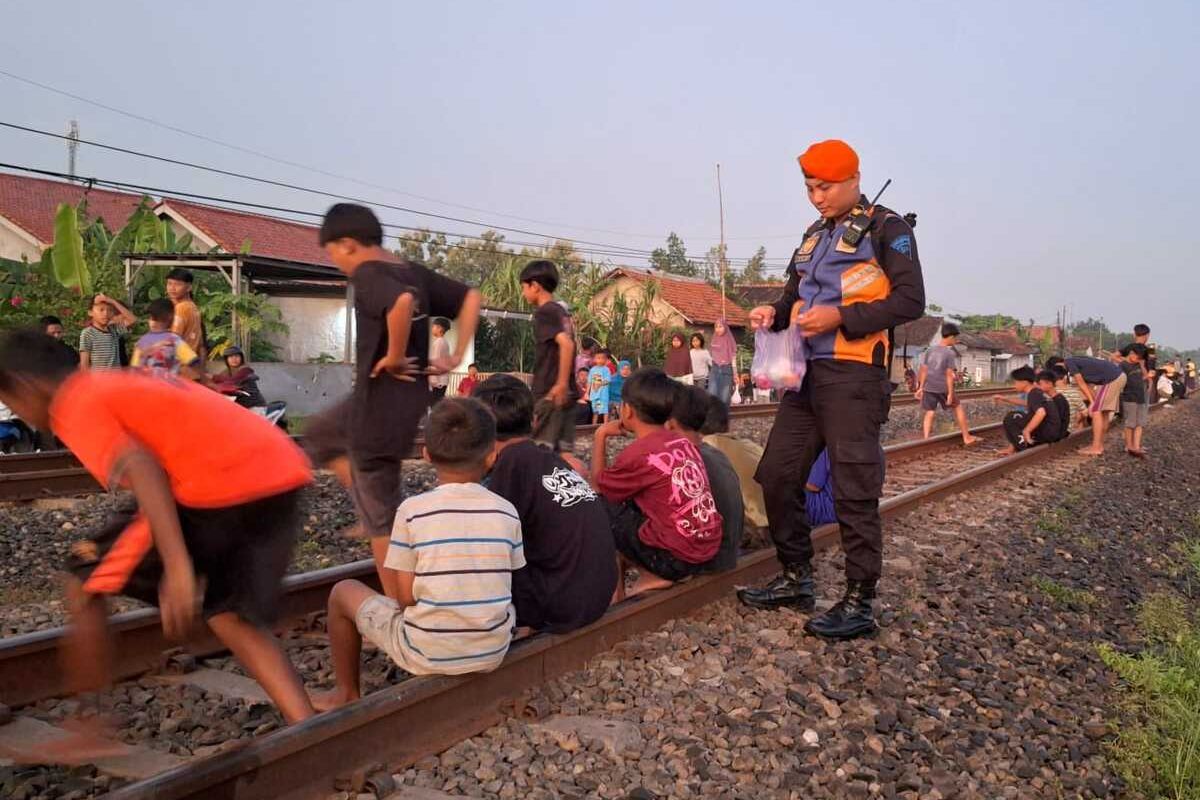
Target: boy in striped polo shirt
(453, 551)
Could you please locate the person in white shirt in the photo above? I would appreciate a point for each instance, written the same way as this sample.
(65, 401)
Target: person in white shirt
(453, 551)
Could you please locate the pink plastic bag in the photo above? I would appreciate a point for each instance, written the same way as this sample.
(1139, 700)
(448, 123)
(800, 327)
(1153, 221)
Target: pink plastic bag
(779, 358)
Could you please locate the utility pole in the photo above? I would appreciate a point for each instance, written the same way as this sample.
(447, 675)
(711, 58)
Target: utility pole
(721, 205)
(72, 146)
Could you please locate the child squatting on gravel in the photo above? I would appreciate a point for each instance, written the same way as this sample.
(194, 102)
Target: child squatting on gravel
(227, 511)
(451, 557)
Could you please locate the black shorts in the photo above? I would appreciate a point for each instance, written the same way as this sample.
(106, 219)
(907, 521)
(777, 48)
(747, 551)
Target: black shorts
(241, 552)
(625, 520)
(376, 488)
(554, 427)
(930, 401)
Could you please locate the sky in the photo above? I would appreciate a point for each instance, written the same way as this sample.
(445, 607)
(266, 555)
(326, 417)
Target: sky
(1048, 148)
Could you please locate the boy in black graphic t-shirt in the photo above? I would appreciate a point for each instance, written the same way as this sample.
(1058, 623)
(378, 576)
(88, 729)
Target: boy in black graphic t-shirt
(554, 341)
(363, 438)
(1039, 423)
(570, 568)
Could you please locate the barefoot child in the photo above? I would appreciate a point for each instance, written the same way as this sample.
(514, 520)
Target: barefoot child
(226, 510)
(453, 551)
(663, 516)
(1101, 382)
(935, 384)
(364, 438)
(1133, 397)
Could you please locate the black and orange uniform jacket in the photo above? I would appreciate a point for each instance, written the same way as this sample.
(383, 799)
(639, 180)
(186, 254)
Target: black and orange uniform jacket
(215, 453)
(876, 282)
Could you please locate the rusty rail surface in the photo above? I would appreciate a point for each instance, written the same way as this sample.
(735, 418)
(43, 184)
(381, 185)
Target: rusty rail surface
(300, 761)
(57, 473)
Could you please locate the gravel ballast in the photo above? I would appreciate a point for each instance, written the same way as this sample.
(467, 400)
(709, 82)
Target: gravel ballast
(983, 682)
(35, 538)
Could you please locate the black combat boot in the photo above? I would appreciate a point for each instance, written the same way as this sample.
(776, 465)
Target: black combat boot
(849, 617)
(793, 588)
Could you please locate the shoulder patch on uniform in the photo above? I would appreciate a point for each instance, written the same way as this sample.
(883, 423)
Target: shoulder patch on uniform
(902, 244)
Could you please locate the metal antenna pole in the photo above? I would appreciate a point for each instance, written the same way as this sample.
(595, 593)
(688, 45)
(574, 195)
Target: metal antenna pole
(72, 146)
(721, 205)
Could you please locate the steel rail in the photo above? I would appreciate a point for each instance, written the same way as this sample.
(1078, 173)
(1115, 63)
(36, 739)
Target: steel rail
(57, 473)
(425, 715)
(30, 669)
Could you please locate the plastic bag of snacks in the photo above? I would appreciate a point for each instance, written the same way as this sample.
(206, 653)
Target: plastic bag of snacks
(779, 358)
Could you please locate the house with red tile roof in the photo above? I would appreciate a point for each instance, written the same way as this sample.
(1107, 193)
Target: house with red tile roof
(679, 302)
(28, 206)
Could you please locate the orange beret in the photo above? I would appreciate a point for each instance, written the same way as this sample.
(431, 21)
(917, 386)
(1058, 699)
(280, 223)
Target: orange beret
(831, 160)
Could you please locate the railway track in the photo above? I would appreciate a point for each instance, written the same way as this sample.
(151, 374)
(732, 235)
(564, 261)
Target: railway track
(57, 473)
(302, 760)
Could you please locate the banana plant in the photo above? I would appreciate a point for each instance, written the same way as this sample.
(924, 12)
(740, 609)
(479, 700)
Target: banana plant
(66, 254)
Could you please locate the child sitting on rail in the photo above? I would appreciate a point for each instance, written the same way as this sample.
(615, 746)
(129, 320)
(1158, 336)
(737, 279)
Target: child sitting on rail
(453, 551)
(570, 564)
(663, 516)
(743, 455)
(688, 417)
(1038, 424)
(161, 352)
(225, 512)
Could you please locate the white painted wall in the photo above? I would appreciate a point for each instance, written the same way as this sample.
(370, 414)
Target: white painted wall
(316, 325)
(14, 245)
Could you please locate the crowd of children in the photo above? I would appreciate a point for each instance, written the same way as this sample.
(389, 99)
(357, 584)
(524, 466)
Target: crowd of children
(517, 536)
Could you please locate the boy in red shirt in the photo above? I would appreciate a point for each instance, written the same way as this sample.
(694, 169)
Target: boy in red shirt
(227, 511)
(664, 519)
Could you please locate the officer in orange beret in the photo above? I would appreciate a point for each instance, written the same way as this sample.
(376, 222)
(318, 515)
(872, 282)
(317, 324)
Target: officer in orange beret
(853, 278)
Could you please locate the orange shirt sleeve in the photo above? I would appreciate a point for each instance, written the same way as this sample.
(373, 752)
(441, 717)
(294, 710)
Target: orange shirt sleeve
(82, 418)
(187, 323)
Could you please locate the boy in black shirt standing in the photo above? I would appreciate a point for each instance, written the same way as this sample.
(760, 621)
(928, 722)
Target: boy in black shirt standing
(1038, 424)
(554, 340)
(1133, 397)
(570, 568)
(363, 438)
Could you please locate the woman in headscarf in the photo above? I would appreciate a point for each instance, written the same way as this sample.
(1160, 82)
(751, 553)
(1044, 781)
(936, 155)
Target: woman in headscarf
(723, 350)
(624, 370)
(679, 362)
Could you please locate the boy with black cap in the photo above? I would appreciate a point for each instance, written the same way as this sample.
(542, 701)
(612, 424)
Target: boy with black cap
(364, 438)
(187, 324)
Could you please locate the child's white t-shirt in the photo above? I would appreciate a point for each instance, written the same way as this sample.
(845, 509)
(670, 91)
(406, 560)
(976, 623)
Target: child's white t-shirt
(462, 543)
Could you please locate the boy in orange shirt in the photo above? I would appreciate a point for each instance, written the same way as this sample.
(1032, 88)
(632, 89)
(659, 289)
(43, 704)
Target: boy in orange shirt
(227, 511)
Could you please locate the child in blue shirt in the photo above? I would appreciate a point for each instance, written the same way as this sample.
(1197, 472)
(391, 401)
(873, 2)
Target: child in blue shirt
(599, 379)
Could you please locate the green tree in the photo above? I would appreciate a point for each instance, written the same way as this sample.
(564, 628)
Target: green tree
(472, 260)
(755, 270)
(673, 258)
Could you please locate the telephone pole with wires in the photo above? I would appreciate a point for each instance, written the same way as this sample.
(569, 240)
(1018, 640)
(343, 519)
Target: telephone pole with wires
(72, 146)
(724, 265)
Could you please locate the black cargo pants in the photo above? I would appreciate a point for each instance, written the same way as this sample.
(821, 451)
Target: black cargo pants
(844, 417)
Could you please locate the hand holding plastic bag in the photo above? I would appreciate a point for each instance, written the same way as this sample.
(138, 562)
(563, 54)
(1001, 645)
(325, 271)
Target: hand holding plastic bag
(780, 358)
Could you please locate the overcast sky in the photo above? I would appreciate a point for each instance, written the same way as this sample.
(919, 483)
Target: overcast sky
(1048, 147)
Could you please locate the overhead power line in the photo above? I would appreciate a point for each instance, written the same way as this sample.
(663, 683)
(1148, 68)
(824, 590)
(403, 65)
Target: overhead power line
(167, 194)
(329, 174)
